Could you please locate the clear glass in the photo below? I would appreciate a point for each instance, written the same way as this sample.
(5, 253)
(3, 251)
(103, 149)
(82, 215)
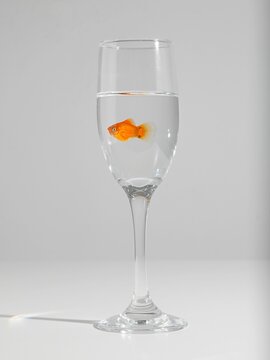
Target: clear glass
(137, 110)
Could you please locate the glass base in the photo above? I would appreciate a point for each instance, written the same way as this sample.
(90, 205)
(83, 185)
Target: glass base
(141, 319)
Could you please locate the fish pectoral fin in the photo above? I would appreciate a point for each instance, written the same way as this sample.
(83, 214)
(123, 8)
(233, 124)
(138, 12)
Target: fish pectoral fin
(122, 136)
(129, 121)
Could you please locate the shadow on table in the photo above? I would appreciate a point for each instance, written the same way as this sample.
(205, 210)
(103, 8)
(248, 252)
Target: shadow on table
(30, 317)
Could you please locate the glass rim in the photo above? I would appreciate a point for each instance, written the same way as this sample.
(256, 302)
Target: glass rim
(133, 43)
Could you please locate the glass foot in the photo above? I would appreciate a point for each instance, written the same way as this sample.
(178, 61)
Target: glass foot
(140, 320)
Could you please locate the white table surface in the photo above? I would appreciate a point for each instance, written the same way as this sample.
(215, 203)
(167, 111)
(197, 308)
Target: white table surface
(225, 304)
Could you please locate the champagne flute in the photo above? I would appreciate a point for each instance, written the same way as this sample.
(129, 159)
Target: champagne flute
(137, 110)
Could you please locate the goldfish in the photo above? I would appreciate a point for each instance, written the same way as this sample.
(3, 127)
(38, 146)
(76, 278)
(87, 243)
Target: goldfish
(127, 129)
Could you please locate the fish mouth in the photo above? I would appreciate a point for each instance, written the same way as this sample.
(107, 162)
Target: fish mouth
(111, 131)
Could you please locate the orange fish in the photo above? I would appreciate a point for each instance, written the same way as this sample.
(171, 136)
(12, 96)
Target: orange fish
(127, 130)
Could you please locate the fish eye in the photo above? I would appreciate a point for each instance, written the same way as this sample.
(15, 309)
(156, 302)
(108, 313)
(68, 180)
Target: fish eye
(114, 129)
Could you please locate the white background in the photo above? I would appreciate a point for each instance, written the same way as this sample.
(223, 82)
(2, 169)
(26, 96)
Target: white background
(224, 302)
(58, 199)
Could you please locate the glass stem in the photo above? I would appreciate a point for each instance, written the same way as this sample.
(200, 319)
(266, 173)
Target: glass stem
(139, 206)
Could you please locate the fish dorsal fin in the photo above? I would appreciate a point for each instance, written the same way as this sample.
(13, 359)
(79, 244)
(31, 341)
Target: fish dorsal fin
(129, 121)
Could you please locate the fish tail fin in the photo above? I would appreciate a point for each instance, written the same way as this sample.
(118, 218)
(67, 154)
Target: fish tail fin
(144, 131)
